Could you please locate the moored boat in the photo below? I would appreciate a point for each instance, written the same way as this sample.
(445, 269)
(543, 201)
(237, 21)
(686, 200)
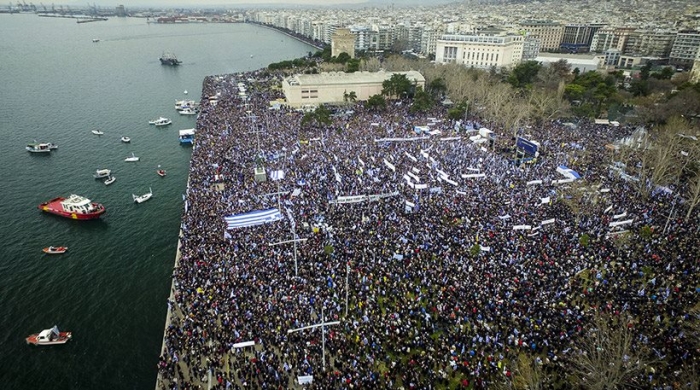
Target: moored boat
(110, 180)
(186, 136)
(102, 173)
(55, 250)
(144, 197)
(74, 207)
(183, 104)
(49, 337)
(126, 140)
(188, 111)
(98, 132)
(133, 158)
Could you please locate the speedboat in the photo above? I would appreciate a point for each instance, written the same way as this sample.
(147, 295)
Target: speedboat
(181, 104)
(39, 147)
(110, 180)
(102, 173)
(55, 250)
(188, 111)
(160, 121)
(95, 39)
(144, 197)
(126, 140)
(132, 158)
(49, 337)
(98, 132)
(73, 207)
(161, 172)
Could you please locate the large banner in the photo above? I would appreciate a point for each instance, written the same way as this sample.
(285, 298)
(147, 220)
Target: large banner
(252, 218)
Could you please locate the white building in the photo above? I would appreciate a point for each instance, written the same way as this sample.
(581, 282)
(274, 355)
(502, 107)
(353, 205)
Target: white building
(310, 90)
(480, 51)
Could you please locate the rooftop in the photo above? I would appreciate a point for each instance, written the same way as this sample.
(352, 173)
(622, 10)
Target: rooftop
(330, 78)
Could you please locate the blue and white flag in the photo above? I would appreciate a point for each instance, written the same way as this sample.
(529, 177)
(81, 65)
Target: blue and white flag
(252, 218)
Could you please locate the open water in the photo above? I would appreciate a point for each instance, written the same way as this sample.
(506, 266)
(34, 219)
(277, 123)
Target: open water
(110, 288)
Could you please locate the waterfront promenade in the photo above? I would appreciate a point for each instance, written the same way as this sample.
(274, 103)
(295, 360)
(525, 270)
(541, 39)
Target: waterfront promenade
(434, 281)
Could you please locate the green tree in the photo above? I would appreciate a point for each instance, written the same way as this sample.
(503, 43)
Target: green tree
(397, 86)
(376, 102)
(437, 87)
(422, 101)
(353, 65)
(343, 58)
(524, 74)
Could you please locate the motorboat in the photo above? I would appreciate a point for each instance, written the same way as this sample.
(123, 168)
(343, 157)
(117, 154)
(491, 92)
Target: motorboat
(185, 92)
(95, 39)
(144, 197)
(126, 140)
(98, 132)
(162, 121)
(161, 172)
(183, 104)
(39, 148)
(110, 180)
(55, 250)
(73, 207)
(186, 136)
(132, 158)
(49, 337)
(102, 173)
(188, 111)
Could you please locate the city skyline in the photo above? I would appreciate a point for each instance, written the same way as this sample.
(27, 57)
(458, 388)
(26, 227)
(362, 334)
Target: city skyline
(253, 3)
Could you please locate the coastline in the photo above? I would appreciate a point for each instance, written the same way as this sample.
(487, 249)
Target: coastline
(287, 34)
(169, 314)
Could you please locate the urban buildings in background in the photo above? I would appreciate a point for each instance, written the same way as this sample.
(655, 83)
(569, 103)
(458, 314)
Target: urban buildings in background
(478, 33)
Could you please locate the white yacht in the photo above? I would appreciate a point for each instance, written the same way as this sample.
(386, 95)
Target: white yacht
(144, 197)
(132, 158)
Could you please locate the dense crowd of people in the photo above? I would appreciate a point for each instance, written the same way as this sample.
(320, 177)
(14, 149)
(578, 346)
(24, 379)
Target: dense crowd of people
(463, 260)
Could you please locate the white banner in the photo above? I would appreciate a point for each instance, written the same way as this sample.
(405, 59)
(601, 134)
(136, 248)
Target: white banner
(421, 186)
(544, 200)
(618, 216)
(390, 165)
(410, 204)
(473, 175)
(416, 178)
(533, 182)
(450, 139)
(400, 139)
(454, 183)
(613, 224)
(547, 221)
(305, 380)
(349, 199)
(411, 157)
(522, 227)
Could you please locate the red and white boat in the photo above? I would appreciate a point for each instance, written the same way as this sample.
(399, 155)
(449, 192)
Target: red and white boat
(55, 250)
(49, 337)
(161, 172)
(74, 207)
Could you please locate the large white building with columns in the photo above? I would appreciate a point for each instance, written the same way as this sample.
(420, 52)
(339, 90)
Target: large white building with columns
(480, 51)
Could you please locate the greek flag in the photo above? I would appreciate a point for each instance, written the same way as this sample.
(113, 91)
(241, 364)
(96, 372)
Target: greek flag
(252, 218)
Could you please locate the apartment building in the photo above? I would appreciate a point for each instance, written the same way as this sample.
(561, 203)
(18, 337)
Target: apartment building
(685, 48)
(549, 33)
(480, 51)
(577, 37)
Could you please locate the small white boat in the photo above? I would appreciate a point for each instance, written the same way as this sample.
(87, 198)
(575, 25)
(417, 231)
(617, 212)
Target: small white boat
(185, 92)
(49, 337)
(188, 111)
(160, 121)
(102, 173)
(98, 132)
(55, 250)
(95, 39)
(144, 197)
(126, 140)
(132, 158)
(110, 180)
